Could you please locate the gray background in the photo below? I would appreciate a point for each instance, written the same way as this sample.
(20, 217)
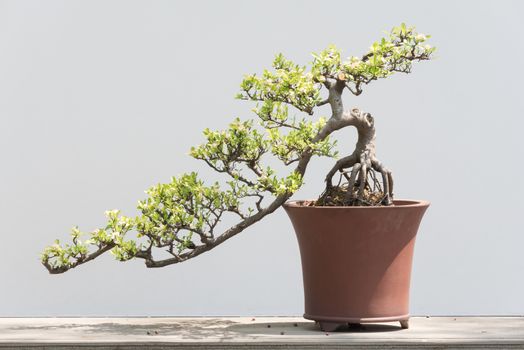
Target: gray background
(101, 99)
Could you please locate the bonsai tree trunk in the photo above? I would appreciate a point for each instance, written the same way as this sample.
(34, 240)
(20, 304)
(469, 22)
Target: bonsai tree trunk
(363, 187)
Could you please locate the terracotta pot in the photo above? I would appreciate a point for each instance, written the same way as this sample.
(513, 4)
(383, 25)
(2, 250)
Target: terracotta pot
(356, 261)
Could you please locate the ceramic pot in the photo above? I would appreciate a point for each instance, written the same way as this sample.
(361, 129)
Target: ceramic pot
(356, 261)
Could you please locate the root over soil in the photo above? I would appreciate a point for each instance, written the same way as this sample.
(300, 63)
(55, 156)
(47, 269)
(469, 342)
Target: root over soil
(338, 196)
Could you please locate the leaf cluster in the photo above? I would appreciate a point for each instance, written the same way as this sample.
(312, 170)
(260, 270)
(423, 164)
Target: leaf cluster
(393, 53)
(288, 83)
(57, 257)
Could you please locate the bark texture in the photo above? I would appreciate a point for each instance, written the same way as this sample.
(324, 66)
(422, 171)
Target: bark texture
(362, 185)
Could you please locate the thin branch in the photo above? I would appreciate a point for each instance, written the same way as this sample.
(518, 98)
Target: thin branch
(228, 171)
(79, 261)
(354, 92)
(323, 102)
(286, 100)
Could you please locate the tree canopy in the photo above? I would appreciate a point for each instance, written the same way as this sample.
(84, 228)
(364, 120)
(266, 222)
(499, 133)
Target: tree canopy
(181, 216)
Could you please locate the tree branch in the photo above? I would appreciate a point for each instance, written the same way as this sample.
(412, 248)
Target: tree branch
(89, 257)
(323, 102)
(337, 121)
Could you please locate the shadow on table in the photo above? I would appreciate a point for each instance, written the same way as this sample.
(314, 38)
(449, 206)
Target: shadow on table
(306, 328)
(194, 329)
(184, 329)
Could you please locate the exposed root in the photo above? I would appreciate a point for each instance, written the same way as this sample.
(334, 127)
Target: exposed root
(337, 196)
(365, 191)
(362, 186)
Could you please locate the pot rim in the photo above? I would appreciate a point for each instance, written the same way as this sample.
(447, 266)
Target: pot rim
(399, 204)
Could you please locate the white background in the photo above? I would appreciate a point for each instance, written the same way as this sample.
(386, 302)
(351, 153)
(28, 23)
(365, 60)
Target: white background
(101, 99)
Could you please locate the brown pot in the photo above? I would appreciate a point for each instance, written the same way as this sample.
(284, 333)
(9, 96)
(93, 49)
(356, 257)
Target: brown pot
(356, 261)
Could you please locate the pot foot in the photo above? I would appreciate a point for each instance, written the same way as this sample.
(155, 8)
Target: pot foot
(329, 326)
(404, 324)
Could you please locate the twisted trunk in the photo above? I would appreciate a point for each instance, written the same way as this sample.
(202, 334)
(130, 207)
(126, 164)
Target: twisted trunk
(363, 162)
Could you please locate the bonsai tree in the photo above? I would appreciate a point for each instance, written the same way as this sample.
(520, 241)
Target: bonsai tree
(179, 220)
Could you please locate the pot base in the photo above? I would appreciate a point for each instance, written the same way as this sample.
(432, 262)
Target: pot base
(331, 324)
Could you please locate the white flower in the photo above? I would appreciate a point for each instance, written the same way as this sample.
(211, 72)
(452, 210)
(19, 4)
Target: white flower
(420, 37)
